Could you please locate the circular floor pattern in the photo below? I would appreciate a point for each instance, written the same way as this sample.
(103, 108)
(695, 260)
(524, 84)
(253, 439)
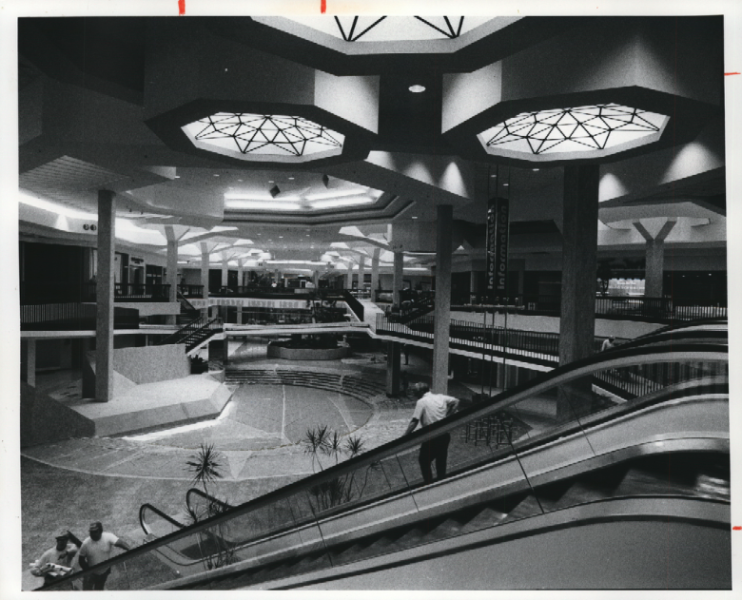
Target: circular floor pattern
(260, 417)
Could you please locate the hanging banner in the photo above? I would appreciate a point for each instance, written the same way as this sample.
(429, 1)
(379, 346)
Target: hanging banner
(498, 224)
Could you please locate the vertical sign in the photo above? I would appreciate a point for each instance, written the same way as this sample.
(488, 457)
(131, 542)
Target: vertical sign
(501, 245)
(491, 235)
(498, 223)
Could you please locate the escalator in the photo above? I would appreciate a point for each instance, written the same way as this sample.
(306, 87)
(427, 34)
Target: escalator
(558, 457)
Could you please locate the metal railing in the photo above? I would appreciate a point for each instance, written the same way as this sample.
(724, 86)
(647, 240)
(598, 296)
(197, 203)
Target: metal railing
(191, 291)
(194, 333)
(132, 292)
(72, 317)
(308, 515)
(661, 310)
(464, 335)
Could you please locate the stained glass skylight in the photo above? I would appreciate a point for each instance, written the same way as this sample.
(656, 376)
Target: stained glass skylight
(257, 137)
(547, 134)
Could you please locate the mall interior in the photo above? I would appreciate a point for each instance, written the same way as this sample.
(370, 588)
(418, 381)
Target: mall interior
(246, 245)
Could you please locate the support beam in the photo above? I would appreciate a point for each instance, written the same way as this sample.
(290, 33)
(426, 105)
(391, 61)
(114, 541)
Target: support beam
(361, 271)
(398, 276)
(349, 277)
(655, 257)
(442, 317)
(28, 372)
(172, 269)
(393, 368)
(375, 272)
(579, 266)
(104, 296)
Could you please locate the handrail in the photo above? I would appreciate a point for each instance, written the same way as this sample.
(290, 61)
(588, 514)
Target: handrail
(354, 304)
(205, 496)
(147, 506)
(561, 376)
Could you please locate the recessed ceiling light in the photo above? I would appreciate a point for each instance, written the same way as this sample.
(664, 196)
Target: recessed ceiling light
(417, 88)
(291, 178)
(177, 177)
(216, 174)
(280, 237)
(414, 217)
(240, 180)
(534, 170)
(505, 184)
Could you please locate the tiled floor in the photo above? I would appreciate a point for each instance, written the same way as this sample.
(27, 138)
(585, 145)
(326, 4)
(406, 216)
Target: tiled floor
(110, 477)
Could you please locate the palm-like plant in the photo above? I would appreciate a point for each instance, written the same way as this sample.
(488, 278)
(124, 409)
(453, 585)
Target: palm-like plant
(205, 466)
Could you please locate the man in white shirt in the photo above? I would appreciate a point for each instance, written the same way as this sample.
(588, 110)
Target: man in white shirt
(55, 562)
(96, 549)
(429, 409)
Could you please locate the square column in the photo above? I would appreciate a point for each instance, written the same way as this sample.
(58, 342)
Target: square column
(579, 268)
(375, 272)
(349, 277)
(205, 277)
(398, 276)
(361, 271)
(393, 368)
(172, 270)
(104, 296)
(442, 315)
(28, 364)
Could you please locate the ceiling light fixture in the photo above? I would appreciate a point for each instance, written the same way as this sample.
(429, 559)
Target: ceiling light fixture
(598, 129)
(417, 88)
(256, 137)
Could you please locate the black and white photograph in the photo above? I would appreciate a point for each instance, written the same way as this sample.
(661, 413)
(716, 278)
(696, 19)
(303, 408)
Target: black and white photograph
(307, 297)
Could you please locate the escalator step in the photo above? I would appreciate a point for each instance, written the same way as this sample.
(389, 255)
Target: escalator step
(486, 517)
(528, 507)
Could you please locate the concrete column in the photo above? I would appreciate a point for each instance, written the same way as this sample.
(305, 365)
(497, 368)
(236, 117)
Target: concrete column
(240, 272)
(225, 274)
(349, 277)
(473, 285)
(398, 276)
(172, 270)
(205, 270)
(393, 368)
(361, 271)
(172, 264)
(104, 296)
(579, 266)
(442, 318)
(375, 272)
(655, 257)
(28, 374)
(315, 279)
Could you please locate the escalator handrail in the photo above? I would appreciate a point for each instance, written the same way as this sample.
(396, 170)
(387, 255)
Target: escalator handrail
(608, 360)
(147, 506)
(209, 497)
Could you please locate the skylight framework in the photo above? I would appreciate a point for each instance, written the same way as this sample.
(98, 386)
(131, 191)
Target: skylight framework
(600, 128)
(354, 28)
(264, 137)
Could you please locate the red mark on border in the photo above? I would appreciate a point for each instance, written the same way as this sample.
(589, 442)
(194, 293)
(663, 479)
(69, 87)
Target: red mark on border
(734, 73)
(181, 7)
(737, 528)
(323, 6)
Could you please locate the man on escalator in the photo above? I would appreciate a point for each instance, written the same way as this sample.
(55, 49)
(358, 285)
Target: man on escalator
(96, 549)
(429, 409)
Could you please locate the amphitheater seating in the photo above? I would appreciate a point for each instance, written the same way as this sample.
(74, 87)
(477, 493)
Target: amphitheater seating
(359, 386)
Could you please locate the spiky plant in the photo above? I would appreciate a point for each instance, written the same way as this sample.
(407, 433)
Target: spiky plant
(333, 446)
(205, 466)
(314, 442)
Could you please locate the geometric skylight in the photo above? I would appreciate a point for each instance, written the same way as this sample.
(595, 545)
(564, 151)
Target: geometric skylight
(582, 131)
(256, 137)
(354, 28)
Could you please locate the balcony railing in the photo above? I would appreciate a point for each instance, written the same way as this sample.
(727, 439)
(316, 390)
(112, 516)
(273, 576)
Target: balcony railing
(661, 310)
(73, 317)
(132, 292)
